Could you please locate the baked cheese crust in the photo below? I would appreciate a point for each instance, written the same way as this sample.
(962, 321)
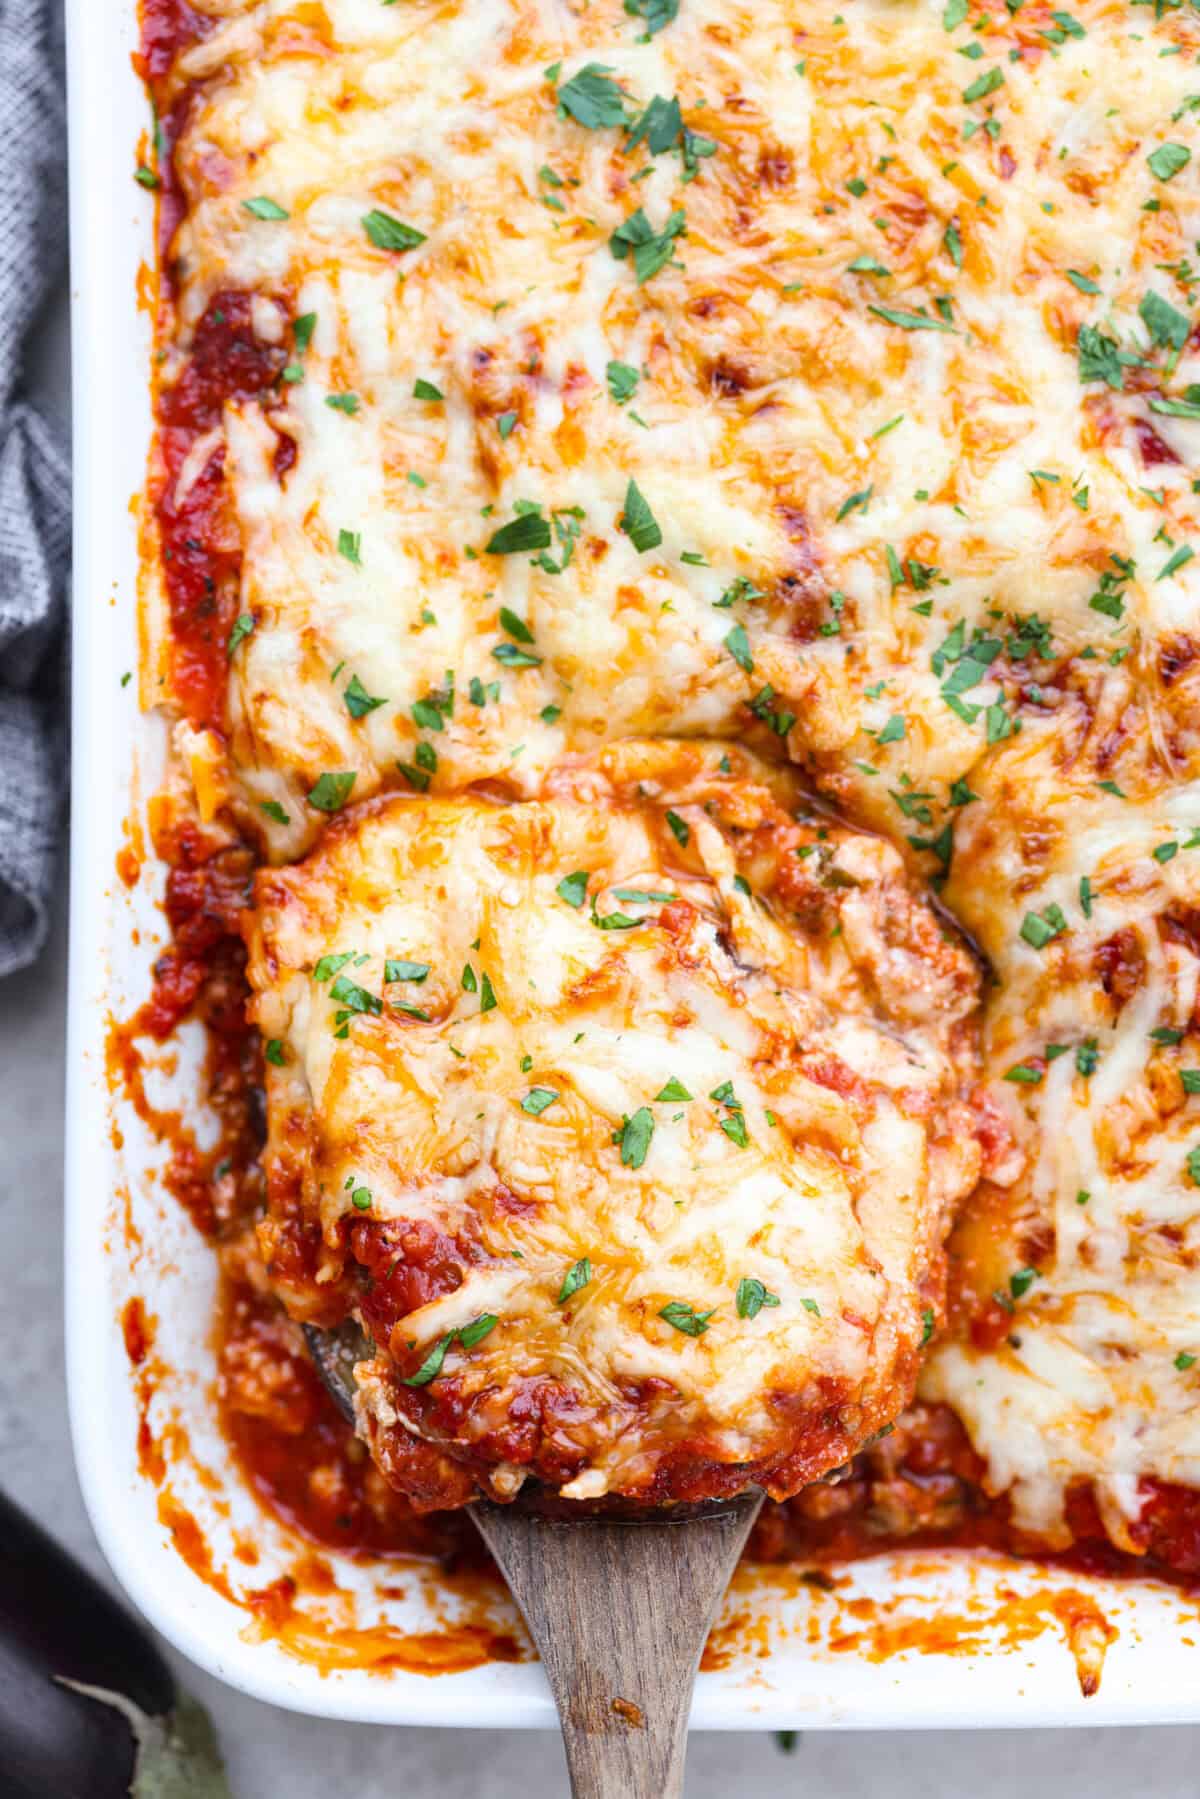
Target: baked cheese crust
(633, 1119)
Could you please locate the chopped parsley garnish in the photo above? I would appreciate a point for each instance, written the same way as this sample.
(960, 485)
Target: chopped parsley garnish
(740, 588)
(763, 707)
(654, 14)
(515, 625)
(738, 645)
(1183, 1361)
(752, 1296)
(855, 502)
(651, 249)
(487, 995)
(1109, 596)
(388, 233)
(1099, 358)
(734, 1127)
(512, 657)
(263, 208)
(679, 829)
(396, 969)
(328, 966)
(680, 1315)
(927, 1322)
(983, 85)
(1083, 282)
(348, 993)
(615, 921)
(275, 811)
(1020, 1282)
(577, 1277)
(573, 888)
(347, 403)
(243, 625)
(538, 1100)
(427, 715)
(413, 773)
(638, 522)
(330, 791)
(1178, 559)
(358, 701)
(909, 321)
(674, 1090)
(274, 1052)
(1168, 327)
(1177, 409)
(1166, 162)
(622, 381)
(592, 98)
(425, 390)
(635, 1136)
(528, 531)
(349, 545)
(1040, 928)
(468, 1336)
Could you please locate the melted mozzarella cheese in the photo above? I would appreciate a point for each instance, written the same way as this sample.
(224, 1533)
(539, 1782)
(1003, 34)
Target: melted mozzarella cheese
(702, 1098)
(862, 184)
(1092, 1049)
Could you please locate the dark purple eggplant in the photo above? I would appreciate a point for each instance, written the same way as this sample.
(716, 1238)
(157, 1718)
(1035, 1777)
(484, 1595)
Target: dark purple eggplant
(88, 1706)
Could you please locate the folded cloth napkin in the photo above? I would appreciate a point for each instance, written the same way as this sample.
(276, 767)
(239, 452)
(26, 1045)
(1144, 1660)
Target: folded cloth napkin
(35, 500)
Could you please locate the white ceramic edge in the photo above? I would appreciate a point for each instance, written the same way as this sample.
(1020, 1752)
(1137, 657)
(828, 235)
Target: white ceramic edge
(110, 226)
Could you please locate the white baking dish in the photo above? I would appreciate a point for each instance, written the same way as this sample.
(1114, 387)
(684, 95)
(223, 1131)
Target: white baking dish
(780, 1666)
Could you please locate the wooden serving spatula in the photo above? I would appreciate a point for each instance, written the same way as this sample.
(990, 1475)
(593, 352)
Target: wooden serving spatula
(619, 1610)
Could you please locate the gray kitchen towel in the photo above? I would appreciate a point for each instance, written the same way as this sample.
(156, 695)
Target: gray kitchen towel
(35, 499)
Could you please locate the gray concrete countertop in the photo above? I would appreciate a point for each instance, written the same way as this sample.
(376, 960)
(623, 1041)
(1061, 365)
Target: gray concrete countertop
(271, 1753)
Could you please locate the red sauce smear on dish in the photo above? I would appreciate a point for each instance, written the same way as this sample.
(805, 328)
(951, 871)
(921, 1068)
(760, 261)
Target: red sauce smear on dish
(200, 542)
(168, 27)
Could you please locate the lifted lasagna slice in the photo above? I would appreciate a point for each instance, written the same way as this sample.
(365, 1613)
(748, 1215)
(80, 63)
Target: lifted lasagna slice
(629, 1123)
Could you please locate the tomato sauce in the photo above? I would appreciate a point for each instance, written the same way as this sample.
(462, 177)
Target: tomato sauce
(200, 546)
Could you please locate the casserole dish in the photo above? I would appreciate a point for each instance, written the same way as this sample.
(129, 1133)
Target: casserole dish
(901, 1640)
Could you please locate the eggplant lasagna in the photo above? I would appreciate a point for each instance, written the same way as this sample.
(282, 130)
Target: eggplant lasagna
(669, 555)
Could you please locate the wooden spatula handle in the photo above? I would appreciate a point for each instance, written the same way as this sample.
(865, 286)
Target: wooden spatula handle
(620, 1612)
